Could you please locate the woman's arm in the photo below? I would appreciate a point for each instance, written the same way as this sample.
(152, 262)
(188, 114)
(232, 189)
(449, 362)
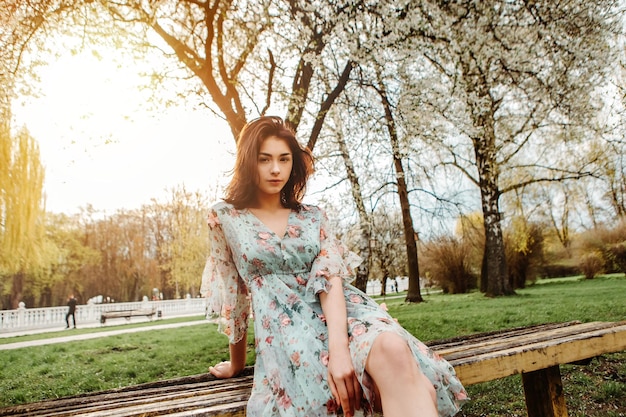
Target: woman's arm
(341, 377)
(229, 369)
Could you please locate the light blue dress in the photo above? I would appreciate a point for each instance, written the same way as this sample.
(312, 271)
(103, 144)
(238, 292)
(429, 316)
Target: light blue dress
(278, 279)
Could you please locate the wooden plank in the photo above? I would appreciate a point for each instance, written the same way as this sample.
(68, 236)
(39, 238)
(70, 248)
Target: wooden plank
(527, 358)
(503, 343)
(477, 338)
(543, 390)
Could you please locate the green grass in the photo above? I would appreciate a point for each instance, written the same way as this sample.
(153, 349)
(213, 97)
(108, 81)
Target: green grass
(599, 389)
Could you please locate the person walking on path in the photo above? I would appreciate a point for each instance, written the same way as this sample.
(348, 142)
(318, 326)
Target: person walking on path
(321, 344)
(71, 311)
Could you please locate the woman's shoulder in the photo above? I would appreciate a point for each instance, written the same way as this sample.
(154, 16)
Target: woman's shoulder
(222, 211)
(220, 206)
(312, 210)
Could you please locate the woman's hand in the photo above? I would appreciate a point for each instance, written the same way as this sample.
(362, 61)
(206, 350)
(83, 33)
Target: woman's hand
(343, 382)
(224, 370)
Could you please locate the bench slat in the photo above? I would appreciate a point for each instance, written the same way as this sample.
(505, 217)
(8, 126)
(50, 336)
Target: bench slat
(508, 341)
(526, 358)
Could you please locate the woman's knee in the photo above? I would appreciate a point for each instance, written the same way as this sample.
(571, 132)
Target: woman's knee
(392, 350)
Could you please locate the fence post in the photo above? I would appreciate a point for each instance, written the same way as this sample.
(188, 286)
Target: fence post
(21, 314)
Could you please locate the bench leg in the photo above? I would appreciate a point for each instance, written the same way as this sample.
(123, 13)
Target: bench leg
(544, 393)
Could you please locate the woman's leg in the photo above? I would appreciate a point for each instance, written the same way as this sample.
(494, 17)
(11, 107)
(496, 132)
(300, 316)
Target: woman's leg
(404, 390)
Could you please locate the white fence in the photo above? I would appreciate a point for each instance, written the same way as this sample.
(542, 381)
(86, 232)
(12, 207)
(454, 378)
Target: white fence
(40, 318)
(88, 315)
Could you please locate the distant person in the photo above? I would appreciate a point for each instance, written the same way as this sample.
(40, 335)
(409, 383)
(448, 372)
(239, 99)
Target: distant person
(71, 311)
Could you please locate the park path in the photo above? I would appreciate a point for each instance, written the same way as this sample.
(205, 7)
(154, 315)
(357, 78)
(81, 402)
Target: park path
(87, 336)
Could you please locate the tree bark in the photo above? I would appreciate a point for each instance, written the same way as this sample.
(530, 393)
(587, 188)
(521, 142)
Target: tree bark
(365, 221)
(413, 294)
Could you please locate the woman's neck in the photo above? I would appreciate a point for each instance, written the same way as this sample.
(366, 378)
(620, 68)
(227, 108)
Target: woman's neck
(268, 203)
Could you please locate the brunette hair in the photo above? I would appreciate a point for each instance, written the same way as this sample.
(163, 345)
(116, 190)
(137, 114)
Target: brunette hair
(242, 189)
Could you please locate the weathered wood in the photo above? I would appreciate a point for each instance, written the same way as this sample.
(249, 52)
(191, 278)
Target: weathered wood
(479, 364)
(535, 352)
(544, 393)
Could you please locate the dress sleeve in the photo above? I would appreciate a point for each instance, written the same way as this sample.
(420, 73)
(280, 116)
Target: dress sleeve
(222, 285)
(334, 259)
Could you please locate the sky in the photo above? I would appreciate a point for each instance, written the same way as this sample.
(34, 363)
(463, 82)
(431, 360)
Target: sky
(103, 144)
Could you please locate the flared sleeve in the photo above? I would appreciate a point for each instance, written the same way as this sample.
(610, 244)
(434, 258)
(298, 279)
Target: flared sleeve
(334, 259)
(226, 293)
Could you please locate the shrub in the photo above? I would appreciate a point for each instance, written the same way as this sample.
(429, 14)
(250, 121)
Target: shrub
(610, 243)
(523, 244)
(559, 270)
(591, 264)
(445, 261)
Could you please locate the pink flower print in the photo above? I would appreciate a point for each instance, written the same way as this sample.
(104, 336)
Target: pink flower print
(324, 358)
(460, 396)
(295, 358)
(269, 340)
(264, 235)
(323, 234)
(272, 305)
(293, 231)
(265, 322)
(322, 318)
(359, 329)
(284, 320)
(258, 280)
(284, 400)
(258, 263)
(292, 299)
(300, 280)
(212, 219)
(332, 406)
(355, 298)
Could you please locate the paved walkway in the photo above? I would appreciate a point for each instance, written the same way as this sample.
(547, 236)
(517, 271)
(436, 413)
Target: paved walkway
(86, 336)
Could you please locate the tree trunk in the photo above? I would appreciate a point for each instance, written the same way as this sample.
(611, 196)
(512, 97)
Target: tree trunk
(17, 289)
(413, 294)
(494, 280)
(363, 270)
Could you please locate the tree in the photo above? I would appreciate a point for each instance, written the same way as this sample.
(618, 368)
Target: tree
(520, 77)
(21, 211)
(187, 245)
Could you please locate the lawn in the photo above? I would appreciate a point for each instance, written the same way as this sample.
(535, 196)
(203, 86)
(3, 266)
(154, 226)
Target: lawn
(599, 389)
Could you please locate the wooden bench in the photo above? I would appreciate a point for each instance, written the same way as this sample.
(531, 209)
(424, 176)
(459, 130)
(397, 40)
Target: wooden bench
(535, 352)
(127, 314)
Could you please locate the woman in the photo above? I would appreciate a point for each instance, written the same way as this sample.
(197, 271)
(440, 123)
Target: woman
(321, 344)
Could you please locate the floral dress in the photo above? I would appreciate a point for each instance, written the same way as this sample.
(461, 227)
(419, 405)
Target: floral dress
(278, 278)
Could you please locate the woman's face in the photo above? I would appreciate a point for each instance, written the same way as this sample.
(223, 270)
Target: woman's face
(274, 165)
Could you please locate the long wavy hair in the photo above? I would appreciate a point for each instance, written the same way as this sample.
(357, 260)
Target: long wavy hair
(242, 189)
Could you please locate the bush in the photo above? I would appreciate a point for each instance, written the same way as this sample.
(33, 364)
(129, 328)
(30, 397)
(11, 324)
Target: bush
(559, 270)
(616, 253)
(523, 244)
(591, 264)
(445, 261)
